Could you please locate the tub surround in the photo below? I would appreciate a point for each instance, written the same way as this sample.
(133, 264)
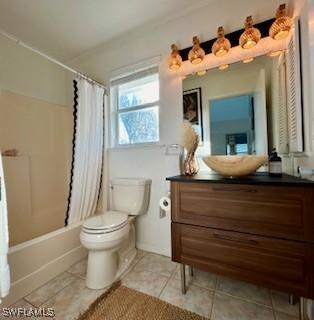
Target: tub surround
(37, 178)
(257, 229)
(37, 261)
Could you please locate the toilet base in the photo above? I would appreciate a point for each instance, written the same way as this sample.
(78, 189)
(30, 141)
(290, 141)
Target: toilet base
(101, 269)
(105, 267)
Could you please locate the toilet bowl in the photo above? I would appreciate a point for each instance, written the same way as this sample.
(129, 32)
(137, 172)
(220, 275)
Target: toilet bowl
(110, 236)
(102, 235)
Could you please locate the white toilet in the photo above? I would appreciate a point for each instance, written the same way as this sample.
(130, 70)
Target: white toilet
(110, 236)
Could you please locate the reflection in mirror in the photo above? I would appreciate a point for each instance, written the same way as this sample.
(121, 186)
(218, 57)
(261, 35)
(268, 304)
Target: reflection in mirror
(232, 125)
(238, 110)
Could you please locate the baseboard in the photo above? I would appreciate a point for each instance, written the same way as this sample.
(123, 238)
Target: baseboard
(39, 277)
(153, 249)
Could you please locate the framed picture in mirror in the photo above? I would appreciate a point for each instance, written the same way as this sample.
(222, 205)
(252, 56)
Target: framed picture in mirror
(192, 109)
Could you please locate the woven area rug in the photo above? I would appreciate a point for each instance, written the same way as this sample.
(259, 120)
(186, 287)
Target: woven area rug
(122, 303)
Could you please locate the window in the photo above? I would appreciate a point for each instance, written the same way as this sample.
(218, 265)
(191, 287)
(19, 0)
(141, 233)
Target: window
(137, 108)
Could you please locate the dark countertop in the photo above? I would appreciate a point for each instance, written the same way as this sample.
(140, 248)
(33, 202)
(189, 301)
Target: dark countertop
(261, 178)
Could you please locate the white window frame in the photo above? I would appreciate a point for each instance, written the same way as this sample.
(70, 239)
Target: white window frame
(114, 99)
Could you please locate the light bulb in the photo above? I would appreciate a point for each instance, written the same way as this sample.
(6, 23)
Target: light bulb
(248, 60)
(196, 54)
(223, 67)
(251, 36)
(274, 53)
(281, 27)
(222, 45)
(201, 73)
(175, 60)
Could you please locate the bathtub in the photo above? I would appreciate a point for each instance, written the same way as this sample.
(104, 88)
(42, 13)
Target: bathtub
(35, 262)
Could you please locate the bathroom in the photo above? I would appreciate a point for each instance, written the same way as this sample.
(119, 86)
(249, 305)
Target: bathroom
(107, 47)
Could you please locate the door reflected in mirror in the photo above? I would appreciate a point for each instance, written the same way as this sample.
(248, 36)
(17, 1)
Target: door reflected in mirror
(232, 125)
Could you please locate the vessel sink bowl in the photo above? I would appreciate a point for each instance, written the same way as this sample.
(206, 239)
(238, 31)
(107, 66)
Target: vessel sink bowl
(235, 166)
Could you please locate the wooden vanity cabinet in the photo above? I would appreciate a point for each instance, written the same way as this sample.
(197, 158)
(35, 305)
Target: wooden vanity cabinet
(257, 232)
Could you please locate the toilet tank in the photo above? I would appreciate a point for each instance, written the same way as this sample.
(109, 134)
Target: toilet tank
(130, 195)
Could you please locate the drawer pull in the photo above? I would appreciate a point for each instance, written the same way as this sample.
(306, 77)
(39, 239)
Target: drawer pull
(230, 238)
(234, 190)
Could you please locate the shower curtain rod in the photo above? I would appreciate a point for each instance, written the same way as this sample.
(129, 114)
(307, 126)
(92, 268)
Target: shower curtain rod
(42, 54)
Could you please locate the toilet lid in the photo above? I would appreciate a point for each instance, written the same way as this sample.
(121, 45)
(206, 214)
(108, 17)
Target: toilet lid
(106, 221)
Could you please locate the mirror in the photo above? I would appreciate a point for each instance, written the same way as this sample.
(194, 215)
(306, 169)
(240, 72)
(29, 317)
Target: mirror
(237, 111)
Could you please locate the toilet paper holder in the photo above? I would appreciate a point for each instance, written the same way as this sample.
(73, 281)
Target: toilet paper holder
(164, 206)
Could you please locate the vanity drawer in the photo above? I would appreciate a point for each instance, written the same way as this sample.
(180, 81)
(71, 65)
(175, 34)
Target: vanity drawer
(264, 210)
(274, 263)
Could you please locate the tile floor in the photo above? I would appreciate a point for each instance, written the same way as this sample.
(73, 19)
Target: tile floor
(214, 297)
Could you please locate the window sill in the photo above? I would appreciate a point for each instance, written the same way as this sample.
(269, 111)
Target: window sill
(152, 145)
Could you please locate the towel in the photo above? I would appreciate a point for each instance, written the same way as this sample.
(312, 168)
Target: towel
(4, 238)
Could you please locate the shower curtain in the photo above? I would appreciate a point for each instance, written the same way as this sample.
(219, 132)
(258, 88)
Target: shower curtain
(88, 146)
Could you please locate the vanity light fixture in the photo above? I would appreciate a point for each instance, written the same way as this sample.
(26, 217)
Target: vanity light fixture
(222, 45)
(196, 54)
(251, 36)
(175, 60)
(201, 73)
(282, 25)
(248, 60)
(223, 67)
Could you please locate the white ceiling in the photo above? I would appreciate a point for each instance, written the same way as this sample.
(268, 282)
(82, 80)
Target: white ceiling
(67, 28)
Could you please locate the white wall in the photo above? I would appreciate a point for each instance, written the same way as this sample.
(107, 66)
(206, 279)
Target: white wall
(24, 72)
(144, 43)
(153, 234)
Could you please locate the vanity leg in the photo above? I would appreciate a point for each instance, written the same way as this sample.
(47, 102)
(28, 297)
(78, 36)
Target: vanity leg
(293, 299)
(183, 286)
(303, 313)
(191, 271)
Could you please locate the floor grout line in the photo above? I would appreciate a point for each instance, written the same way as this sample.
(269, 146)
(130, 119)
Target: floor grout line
(156, 272)
(216, 283)
(76, 277)
(138, 261)
(56, 293)
(164, 287)
(28, 301)
(273, 305)
(214, 298)
(213, 305)
(243, 299)
(131, 267)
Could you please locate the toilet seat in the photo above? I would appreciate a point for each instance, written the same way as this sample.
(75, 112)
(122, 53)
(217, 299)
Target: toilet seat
(107, 222)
